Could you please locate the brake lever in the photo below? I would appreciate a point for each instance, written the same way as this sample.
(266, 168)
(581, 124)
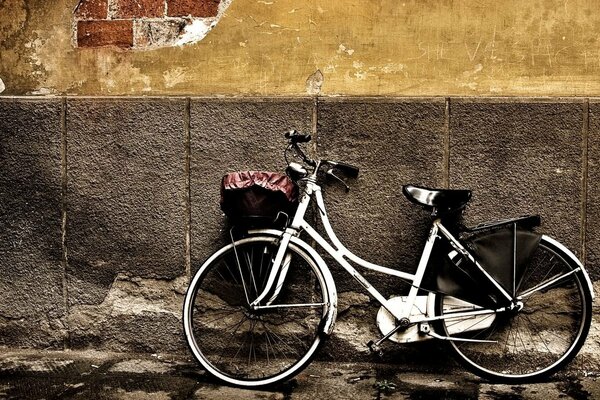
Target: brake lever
(337, 178)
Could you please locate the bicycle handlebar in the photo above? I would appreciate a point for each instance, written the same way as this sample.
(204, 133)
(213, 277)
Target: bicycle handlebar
(296, 137)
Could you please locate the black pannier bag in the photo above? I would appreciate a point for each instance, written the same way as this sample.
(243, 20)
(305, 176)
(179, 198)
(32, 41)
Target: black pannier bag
(503, 249)
(256, 198)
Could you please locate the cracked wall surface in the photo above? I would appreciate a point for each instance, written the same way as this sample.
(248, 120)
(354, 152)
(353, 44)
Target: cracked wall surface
(109, 205)
(275, 47)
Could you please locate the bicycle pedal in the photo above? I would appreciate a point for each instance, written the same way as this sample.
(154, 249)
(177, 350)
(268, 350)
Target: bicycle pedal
(373, 348)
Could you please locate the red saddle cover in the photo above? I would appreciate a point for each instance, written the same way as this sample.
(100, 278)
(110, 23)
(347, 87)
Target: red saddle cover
(252, 194)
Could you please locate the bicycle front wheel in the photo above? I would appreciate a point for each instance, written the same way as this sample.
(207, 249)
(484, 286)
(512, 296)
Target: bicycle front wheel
(532, 342)
(245, 346)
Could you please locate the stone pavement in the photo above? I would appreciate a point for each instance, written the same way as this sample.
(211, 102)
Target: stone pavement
(100, 375)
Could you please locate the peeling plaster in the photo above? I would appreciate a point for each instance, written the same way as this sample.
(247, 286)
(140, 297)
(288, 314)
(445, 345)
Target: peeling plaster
(114, 66)
(17, 13)
(135, 296)
(198, 28)
(43, 92)
(175, 76)
(353, 310)
(148, 32)
(344, 50)
(314, 83)
(141, 367)
(195, 31)
(16, 363)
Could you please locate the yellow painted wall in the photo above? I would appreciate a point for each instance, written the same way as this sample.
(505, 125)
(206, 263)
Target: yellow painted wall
(362, 47)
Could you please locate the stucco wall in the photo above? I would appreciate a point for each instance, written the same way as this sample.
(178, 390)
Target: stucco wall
(275, 47)
(108, 205)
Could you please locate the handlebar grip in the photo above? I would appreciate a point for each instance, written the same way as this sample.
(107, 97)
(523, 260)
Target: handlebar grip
(290, 133)
(296, 137)
(347, 169)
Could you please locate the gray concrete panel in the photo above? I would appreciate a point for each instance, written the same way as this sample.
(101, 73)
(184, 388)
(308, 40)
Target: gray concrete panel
(234, 135)
(520, 157)
(394, 142)
(593, 191)
(31, 279)
(127, 199)
(126, 193)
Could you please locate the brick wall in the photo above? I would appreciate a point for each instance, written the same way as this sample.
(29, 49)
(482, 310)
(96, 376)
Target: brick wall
(142, 24)
(108, 205)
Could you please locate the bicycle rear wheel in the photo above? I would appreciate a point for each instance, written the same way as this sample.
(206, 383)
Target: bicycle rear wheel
(249, 347)
(537, 340)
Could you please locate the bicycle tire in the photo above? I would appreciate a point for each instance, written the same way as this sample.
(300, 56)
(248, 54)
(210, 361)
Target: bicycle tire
(539, 339)
(275, 343)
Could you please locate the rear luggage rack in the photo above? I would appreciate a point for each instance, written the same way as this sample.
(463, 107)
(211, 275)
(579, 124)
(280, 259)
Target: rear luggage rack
(524, 221)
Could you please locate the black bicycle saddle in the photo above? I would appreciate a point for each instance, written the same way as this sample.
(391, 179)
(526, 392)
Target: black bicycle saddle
(443, 200)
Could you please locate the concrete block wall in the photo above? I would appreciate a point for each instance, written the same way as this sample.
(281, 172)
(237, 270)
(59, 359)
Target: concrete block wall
(108, 205)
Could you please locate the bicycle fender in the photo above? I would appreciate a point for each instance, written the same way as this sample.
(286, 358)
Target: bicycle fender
(573, 258)
(329, 282)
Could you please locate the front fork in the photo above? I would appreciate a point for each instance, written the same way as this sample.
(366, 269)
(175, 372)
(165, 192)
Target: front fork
(283, 258)
(281, 265)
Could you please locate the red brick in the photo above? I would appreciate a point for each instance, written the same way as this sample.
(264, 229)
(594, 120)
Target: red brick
(140, 8)
(105, 33)
(195, 8)
(92, 9)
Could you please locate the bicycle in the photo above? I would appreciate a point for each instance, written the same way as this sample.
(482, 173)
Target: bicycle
(257, 310)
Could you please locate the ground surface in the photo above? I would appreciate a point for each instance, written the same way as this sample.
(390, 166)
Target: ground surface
(96, 375)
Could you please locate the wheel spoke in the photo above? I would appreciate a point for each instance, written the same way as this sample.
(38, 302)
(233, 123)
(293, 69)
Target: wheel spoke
(249, 259)
(545, 284)
(532, 269)
(237, 258)
(305, 305)
(220, 317)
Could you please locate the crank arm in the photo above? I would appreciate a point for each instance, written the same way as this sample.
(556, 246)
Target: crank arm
(389, 334)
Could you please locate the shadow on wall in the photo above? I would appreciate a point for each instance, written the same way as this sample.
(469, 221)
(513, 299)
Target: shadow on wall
(126, 205)
(32, 307)
(125, 233)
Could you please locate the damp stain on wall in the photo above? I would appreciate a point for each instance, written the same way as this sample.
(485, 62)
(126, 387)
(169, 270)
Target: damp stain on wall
(275, 47)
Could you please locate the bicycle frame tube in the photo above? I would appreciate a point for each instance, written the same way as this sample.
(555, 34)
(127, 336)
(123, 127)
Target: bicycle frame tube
(342, 255)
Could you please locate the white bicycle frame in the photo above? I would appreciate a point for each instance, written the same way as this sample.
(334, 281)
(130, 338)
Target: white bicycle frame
(342, 255)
